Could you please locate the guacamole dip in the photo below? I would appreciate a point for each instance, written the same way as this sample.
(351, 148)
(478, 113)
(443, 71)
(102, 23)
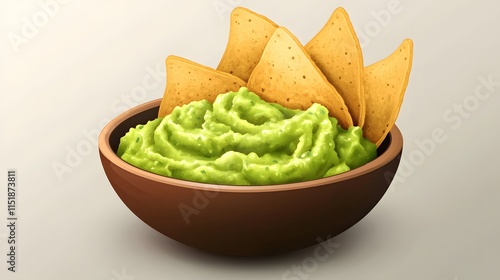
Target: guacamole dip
(242, 140)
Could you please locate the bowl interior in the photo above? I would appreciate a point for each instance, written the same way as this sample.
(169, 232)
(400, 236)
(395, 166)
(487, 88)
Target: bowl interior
(128, 123)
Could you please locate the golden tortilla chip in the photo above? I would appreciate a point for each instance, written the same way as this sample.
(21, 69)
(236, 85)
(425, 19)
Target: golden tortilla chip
(188, 81)
(385, 85)
(336, 51)
(286, 75)
(248, 35)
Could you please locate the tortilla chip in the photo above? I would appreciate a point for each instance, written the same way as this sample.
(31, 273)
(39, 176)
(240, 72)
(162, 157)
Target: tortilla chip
(385, 85)
(336, 51)
(286, 75)
(189, 81)
(248, 35)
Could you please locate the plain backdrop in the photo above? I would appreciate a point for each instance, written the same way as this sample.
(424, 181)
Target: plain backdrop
(68, 67)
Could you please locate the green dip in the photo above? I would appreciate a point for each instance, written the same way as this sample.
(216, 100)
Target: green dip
(242, 140)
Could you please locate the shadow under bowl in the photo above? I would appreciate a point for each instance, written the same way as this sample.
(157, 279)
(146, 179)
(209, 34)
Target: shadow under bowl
(245, 220)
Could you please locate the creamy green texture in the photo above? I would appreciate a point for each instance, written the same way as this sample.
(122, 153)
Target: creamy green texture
(242, 140)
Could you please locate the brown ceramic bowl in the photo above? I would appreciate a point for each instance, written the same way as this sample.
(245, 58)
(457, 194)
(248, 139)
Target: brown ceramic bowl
(245, 220)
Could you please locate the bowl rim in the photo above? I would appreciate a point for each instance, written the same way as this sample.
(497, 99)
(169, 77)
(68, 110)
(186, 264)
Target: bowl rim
(394, 148)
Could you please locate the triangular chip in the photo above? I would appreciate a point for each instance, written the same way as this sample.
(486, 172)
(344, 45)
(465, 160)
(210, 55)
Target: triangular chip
(385, 85)
(248, 35)
(336, 51)
(189, 81)
(286, 75)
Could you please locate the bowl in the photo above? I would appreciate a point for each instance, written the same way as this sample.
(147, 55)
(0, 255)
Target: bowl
(245, 220)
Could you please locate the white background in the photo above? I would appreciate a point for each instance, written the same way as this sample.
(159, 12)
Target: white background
(67, 69)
